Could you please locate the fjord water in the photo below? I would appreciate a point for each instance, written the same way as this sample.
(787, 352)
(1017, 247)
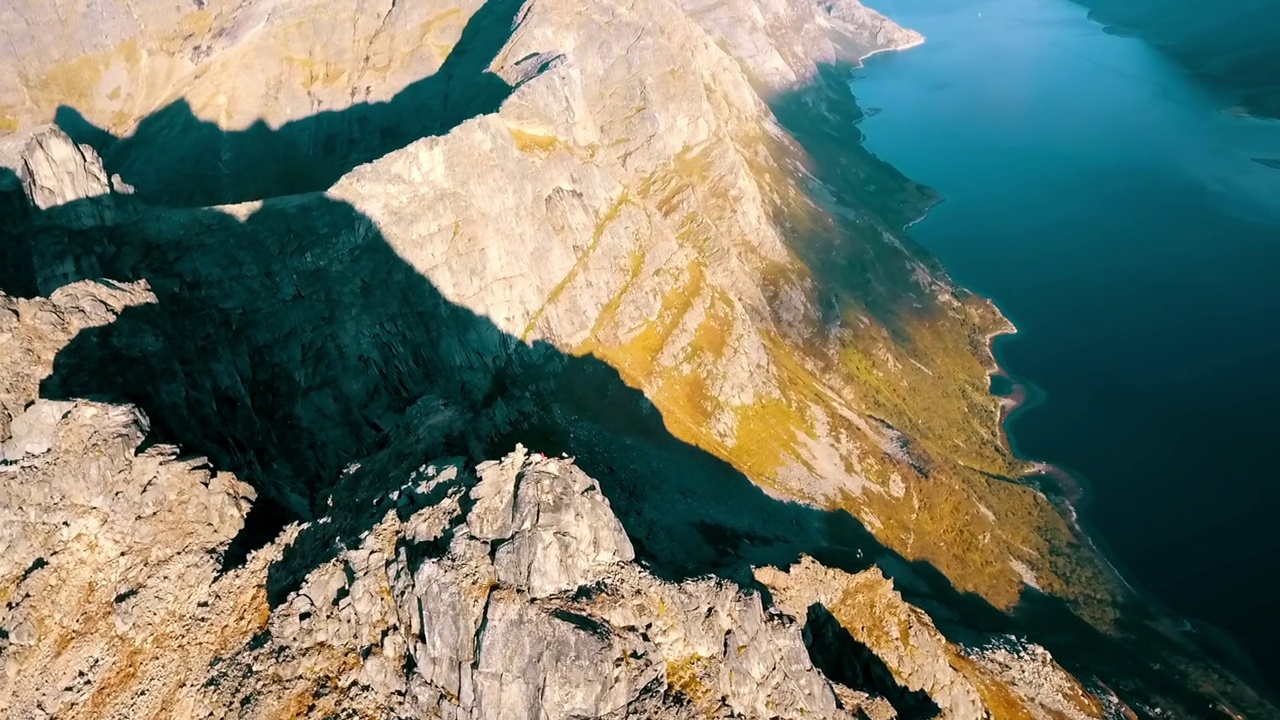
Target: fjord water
(1119, 214)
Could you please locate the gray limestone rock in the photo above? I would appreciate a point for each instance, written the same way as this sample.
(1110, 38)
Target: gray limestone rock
(56, 171)
(542, 662)
(563, 534)
(525, 602)
(493, 515)
(64, 181)
(31, 433)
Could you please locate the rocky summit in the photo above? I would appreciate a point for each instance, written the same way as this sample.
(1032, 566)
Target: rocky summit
(510, 360)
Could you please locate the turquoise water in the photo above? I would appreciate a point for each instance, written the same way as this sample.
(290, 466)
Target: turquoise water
(1119, 215)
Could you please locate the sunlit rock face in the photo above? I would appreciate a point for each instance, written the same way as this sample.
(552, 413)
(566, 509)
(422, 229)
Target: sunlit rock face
(283, 277)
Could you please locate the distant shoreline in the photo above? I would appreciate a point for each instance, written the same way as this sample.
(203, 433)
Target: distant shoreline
(917, 42)
(897, 48)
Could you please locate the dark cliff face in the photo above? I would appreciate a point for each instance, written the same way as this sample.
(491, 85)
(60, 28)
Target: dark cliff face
(1233, 45)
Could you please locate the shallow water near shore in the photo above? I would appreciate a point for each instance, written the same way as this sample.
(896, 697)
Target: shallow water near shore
(1116, 212)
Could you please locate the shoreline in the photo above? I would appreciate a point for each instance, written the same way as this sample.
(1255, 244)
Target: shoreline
(920, 39)
(1076, 489)
(1071, 494)
(1078, 494)
(1024, 395)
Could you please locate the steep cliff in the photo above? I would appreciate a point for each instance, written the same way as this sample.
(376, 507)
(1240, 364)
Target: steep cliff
(324, 244)
(756, 289)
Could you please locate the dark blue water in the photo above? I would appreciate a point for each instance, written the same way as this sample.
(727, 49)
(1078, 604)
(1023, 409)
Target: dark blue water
(1119, 217)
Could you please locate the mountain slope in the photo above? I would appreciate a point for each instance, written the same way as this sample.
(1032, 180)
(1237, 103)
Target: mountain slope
(356, 239)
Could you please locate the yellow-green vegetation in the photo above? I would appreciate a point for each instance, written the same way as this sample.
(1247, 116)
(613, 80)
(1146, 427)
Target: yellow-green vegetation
(9, 119)
(903, 349)
(636, 357)
(943, 402)
(156, 74)
(601, 225)
(998, 697)
(1004, 703)
(871, 623)
(876, 616)
(77, 81)
(943, 405)
(533, 143)
(950, 419)
(684, 677)
(765, 438)
(609, 312)
(193, 24)
(318, 72)
(438, 22)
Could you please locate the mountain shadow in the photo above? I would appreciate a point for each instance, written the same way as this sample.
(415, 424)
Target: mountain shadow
(293, 344)
(174, 158)
(841, 657)
(17, 274)
(852, 263)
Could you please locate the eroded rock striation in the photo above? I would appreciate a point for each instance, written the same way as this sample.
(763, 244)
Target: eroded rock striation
(285, 276)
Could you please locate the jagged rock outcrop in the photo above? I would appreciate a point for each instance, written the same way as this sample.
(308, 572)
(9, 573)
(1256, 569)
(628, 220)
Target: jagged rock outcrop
(867, 607)
(963, 682)
(525, 605)
(510, 592)
(56, 171)
(33, 331)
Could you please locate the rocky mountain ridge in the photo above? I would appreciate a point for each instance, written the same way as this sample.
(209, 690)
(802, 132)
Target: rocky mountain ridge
(507, 593)
(1230, 46)
(122, 594)
(641, 234)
